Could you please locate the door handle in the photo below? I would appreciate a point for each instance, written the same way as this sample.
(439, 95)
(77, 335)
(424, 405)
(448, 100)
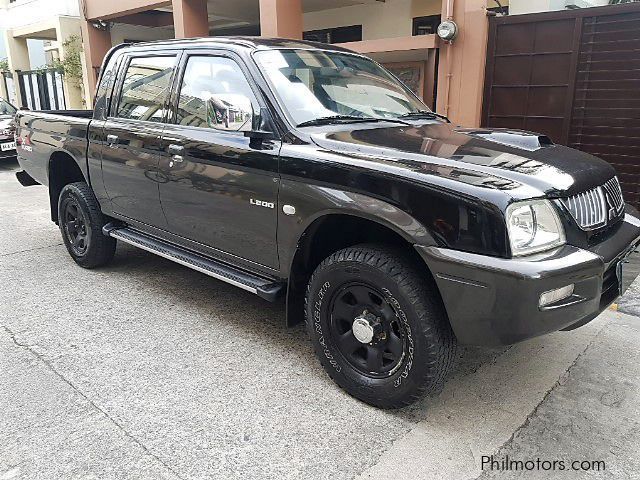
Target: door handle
(175, 152)
(112, 140)
(175, 149)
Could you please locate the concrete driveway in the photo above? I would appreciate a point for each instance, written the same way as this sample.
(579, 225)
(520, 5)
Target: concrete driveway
(146, 369)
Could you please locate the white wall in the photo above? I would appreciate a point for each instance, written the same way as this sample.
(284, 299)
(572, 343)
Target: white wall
(121, 32)
(36, 53)
(380, 20)
(27, 12)
(3, 48)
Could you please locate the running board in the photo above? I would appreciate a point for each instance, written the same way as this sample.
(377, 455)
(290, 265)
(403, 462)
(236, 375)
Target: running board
(265, 288)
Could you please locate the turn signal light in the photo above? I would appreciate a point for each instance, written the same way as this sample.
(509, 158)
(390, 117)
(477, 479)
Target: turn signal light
(553, 296)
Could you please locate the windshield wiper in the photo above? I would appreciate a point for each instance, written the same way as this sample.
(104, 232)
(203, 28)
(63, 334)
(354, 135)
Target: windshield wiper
(424, 114)
(347, 118)
(332, 119)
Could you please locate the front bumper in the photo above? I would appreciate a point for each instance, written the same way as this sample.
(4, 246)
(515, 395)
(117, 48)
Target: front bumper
(494, 301)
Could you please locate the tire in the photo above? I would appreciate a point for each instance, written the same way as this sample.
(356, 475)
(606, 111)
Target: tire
(81, 222)
(374, 293)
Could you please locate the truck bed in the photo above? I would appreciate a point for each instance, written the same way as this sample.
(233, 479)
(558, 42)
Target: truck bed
(42, 133)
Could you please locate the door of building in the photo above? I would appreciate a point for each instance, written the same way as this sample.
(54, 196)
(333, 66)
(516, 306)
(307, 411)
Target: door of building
(573, 75)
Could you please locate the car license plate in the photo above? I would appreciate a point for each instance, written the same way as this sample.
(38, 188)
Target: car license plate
(8, 146)
(627, 271)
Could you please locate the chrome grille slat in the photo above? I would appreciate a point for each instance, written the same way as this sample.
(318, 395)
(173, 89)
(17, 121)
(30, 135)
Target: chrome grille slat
(596, 207)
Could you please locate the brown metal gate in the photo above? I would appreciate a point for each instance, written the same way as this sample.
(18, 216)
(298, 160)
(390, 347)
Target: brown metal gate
(574, 76)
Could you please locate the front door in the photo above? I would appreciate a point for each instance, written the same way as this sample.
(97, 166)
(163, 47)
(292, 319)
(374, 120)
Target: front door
(132, 139)
(220, 188)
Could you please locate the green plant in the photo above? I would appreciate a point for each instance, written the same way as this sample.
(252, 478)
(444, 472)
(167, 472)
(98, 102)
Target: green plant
(4, 65)
(71, 63)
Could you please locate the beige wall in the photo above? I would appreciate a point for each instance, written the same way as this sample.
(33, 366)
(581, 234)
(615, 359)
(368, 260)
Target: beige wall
(106, 9)
(121, 32)
(59, 27)
(425, 8)
(380, 20)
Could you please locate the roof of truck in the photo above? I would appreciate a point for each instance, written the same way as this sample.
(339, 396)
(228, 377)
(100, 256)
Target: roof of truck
(252, 43)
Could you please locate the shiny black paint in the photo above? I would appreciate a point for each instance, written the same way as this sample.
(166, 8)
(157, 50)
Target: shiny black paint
(130, 169)
(207, 197)
(491, 301)
(456, 183)
(442, 188)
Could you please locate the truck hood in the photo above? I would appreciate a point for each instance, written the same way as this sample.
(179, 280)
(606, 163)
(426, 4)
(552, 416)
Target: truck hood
(519, 158)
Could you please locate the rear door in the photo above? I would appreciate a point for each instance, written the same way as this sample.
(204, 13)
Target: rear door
(132, 136)
(221, 187)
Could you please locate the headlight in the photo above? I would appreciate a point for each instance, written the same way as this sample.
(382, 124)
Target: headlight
(533, 226)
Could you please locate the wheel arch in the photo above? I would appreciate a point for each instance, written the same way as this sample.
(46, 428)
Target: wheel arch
(62, 169)
(329, 232)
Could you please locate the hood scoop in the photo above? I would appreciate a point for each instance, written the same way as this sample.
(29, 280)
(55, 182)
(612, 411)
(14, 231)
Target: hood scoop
(512, 138)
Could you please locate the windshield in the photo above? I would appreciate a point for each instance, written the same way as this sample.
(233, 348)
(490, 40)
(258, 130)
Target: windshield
(314, 84)
(6, 108)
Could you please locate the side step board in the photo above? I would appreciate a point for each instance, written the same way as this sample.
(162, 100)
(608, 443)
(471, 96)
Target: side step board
(265, 288)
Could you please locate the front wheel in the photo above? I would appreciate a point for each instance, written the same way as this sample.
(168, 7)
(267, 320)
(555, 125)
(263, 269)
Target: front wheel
(81, 223)
(378, 326)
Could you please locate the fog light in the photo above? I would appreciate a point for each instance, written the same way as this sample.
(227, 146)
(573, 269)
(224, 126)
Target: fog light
(553, 296)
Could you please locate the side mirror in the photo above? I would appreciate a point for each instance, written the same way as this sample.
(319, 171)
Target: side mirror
(230, 112)
(263, 128)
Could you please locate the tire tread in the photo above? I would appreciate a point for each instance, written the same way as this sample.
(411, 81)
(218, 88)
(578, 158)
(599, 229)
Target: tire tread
(425, 300)
(103, 248)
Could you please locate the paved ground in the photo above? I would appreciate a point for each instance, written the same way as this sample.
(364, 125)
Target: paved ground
(149, 370)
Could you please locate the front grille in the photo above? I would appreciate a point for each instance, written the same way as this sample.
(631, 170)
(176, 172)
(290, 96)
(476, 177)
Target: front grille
(595, 208)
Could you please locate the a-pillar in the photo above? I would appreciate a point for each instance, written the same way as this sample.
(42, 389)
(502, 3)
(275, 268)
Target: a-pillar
(281, 18)
(96, 44)
(190, 18)
(18, 59)
(462, 63)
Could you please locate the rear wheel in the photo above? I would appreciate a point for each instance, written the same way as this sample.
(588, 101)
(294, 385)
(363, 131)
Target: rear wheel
(81, 223)
(378, 326)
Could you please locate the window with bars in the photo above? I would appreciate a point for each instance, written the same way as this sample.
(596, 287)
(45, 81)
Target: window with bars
(352, 33)
(426, 25)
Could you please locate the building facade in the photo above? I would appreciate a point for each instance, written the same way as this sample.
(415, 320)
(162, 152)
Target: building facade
(401, 34)
(57, 23)
(398, 33)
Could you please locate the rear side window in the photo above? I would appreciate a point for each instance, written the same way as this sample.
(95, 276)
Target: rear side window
(145, 88)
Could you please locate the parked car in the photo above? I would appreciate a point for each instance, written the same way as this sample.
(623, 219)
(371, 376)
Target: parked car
(7, 140)
(297, 169)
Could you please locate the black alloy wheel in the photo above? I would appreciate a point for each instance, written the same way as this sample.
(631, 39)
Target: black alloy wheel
(378, 326)
(81, 220)
(367, 330)
(75, 226)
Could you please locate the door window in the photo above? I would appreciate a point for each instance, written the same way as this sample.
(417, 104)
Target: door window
(215, 94)
(145, 88)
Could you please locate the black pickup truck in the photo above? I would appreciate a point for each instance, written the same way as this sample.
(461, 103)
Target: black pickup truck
(306, 171)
